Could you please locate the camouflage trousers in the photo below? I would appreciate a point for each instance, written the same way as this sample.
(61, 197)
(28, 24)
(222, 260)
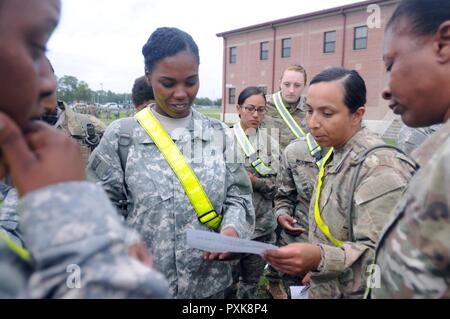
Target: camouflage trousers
(279, 281)
(247, 272)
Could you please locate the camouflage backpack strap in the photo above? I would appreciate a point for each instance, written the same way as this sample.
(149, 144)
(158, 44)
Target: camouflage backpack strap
(355, 176)
(125, 139)
(124, 143)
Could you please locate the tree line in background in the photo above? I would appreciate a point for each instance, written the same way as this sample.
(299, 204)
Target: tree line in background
(70, 89)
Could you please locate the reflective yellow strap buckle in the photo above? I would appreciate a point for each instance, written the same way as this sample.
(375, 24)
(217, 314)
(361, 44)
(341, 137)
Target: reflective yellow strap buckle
(257, 163)
(211, 218)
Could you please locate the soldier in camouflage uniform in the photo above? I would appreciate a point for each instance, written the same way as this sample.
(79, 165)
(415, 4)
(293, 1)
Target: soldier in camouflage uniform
(413, 259)
(76, 125)
(87, 130)
(409, 138)
(70, 224)
(336, 262)
(292, 85)
(295, 184)
(158, 206)
(251, 108)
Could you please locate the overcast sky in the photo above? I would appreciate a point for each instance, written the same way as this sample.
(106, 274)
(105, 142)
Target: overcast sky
(100, 41)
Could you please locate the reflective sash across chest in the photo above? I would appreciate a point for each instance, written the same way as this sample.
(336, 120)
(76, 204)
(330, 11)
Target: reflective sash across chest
(314, 148)
(191, 185)
(249, 151)
(318, 218)
(287, 117)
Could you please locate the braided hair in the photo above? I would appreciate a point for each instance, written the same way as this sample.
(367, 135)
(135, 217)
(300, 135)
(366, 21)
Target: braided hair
(166, 42)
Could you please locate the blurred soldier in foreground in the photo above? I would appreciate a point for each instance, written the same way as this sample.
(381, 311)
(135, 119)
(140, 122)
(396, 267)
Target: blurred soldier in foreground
(75, 240)
(87, 130)
(412, 258)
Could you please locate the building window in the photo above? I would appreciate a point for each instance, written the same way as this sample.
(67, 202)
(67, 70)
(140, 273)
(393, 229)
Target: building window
(360, 41)
(264, 50)
(233, 55)
(231, 96)
(263, 88)
(286, 48)
(329, 44)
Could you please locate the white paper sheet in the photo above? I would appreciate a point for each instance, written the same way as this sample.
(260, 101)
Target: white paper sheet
(216, 243)
(299, 292)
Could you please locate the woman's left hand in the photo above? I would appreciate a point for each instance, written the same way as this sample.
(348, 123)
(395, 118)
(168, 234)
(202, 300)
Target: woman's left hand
(222, 256)
(294, 259)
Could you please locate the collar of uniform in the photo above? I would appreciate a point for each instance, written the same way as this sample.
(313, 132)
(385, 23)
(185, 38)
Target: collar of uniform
(352, 148)
(434, 142)
(197, 128)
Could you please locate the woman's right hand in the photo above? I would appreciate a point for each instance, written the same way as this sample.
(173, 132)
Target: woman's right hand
(290, 225)
(38, 158)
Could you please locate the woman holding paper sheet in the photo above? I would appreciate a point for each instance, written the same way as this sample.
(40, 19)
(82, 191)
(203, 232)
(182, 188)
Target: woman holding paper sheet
(178, 172)
(348, 210)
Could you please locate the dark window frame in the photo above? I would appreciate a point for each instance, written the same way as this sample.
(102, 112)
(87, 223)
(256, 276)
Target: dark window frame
(286, 50)
(326, 44)
(233, 55)
(231, 96)
(357, 41)
(263, 54)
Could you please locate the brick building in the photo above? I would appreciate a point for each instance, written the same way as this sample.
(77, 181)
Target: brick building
(349, 36)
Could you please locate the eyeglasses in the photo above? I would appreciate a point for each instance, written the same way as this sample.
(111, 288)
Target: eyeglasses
(251, 109)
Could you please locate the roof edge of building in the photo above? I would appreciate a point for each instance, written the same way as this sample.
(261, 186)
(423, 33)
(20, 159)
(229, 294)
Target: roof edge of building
(305, 16)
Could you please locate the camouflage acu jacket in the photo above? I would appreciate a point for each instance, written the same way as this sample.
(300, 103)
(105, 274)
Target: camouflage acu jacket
(76, 242)
(278, 128)
(413, 256)
(295, 181)
(159, 208)
(382, 180)
(267, 149)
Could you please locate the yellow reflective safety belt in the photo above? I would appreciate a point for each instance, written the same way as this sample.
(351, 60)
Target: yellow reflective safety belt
(20, 251)
(191, 185)
(319, 221)
(314, 148)
(287, 117)
(249, 151)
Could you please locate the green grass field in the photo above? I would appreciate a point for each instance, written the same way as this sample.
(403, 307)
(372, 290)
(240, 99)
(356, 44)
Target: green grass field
(213, 113)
